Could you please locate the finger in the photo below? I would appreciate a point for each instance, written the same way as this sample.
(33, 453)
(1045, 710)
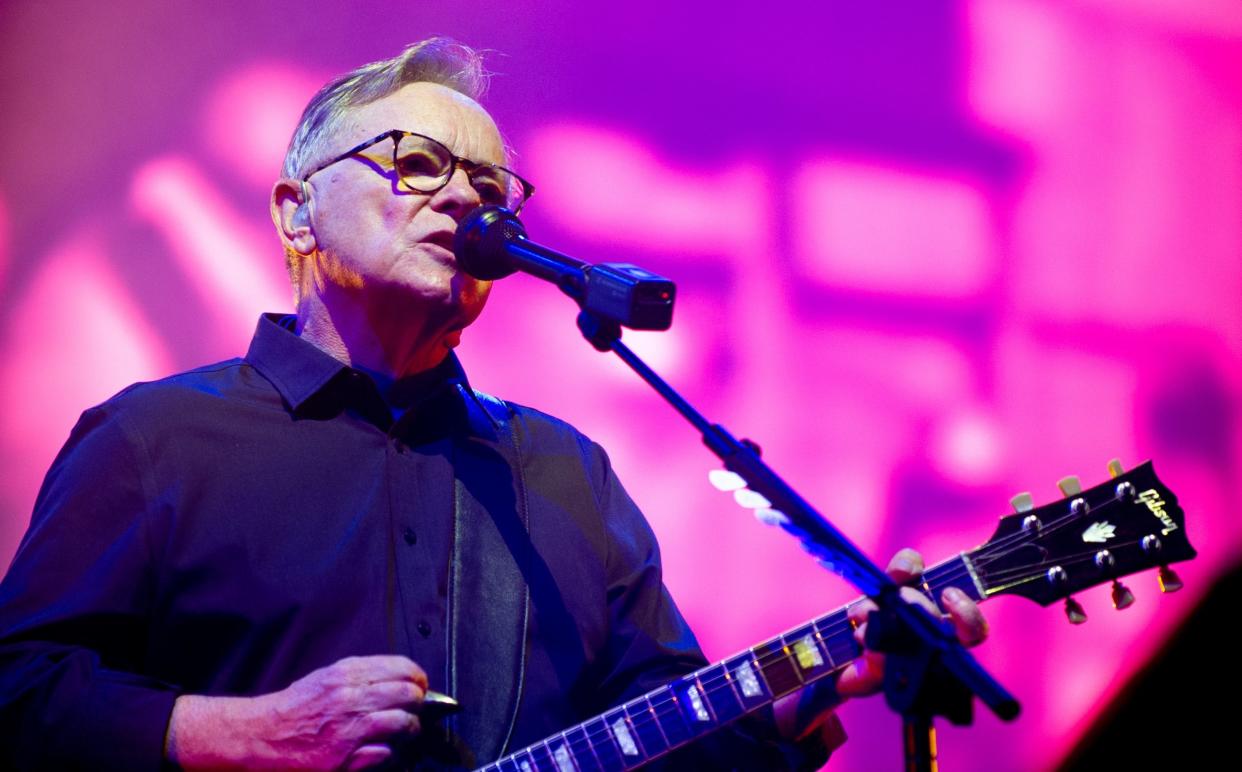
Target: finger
(911, 595)
(384, 667)
(390, 723)
(906, 566)
(968, 620)
(386, 695)
(368, 756)
(863, 676)
(858, 614)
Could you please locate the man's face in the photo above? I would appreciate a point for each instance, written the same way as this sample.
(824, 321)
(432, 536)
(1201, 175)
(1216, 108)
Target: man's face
(390, 246)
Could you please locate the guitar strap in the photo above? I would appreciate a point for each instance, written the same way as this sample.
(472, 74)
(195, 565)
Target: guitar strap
(489, 600)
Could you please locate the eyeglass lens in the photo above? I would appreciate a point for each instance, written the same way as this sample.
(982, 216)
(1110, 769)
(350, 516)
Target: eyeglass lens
(425, 166)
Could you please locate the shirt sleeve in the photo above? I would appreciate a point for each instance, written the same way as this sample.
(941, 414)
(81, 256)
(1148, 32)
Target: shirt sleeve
(74, 607)
(651, 644)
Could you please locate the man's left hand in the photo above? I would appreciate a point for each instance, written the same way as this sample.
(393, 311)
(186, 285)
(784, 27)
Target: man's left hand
(865, 675)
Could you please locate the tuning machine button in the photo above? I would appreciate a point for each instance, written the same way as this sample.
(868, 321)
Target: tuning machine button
(1122, 597)
(1070, 485)
(1115, 469)
(1024, 502)
(1074, 612)
(1169, 580)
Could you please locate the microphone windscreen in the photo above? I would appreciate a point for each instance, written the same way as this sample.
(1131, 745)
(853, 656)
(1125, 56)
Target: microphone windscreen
(480, 242)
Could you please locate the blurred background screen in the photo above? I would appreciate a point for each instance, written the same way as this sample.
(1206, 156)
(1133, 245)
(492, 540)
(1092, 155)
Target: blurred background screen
(928, 255)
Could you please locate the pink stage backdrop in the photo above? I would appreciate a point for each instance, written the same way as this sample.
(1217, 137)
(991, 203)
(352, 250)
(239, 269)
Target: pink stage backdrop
(928, 255)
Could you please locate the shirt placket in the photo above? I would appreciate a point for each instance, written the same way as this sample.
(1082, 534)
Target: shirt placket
(420, 485)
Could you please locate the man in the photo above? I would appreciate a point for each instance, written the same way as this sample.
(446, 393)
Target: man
(268, 562)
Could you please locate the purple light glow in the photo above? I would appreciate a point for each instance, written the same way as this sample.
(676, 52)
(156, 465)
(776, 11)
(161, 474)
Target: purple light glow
(927, 261)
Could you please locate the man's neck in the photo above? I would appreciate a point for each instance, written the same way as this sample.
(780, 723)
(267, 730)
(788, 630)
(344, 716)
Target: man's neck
(390, 345)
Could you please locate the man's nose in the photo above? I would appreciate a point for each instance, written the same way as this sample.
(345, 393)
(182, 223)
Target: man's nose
(457, 198)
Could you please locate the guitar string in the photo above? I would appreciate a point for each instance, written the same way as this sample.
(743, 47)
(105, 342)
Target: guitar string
(663, 707)
(1035, 570)
(717, 679)
(826, 628)
(1005, 545)
(992, 556)
(714, 680)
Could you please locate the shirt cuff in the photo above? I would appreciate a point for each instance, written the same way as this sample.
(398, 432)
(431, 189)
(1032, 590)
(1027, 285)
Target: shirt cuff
(123, 725)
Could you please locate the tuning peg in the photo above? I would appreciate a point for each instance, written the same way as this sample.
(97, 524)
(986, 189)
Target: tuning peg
(1069, 485)
(1074, 612)
(1115, 469)
(1169, 580)
(1122, 597)
(1023, 502)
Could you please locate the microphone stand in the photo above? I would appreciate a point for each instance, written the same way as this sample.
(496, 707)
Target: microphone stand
(927, 670)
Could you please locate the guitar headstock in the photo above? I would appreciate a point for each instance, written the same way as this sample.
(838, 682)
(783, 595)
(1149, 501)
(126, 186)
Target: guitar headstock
(1048, 553)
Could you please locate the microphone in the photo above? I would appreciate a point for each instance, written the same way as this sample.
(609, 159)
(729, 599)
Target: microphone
(491, 243)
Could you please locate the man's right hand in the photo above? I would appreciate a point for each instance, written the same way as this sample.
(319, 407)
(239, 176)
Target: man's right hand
(337, 717)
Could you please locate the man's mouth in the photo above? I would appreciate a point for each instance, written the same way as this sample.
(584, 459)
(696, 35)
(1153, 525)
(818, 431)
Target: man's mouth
(442, 239)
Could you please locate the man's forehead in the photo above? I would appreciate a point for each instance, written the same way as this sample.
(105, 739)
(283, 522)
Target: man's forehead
(431, 109)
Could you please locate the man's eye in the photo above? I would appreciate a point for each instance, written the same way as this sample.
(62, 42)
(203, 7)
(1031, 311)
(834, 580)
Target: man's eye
(419, 165)
(490, 189)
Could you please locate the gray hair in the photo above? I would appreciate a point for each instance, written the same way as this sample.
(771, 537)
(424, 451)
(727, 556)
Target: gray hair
(436, 60)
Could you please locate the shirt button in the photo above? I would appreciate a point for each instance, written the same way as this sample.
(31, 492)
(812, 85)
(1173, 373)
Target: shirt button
(409, 536)
(424, 629)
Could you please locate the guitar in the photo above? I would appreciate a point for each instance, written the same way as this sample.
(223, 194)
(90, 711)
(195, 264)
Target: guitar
(1046, 554)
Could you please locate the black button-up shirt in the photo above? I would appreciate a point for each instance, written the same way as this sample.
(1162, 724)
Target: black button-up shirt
(251, 544)
(228, 530)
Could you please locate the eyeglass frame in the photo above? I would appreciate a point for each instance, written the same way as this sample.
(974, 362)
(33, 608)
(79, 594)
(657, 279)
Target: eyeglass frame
(457, 162)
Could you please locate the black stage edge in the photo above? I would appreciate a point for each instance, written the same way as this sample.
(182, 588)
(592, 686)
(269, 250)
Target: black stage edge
(1180, 712)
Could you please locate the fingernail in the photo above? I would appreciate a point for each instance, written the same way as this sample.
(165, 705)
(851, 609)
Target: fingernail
(954, 595)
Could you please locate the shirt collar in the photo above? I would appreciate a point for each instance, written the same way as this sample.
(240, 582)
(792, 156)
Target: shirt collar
(299, 370)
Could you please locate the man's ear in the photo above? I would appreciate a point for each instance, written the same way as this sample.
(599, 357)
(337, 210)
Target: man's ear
(291, 212)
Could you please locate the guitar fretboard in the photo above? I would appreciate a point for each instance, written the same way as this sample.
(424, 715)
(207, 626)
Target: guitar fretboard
(697, 704)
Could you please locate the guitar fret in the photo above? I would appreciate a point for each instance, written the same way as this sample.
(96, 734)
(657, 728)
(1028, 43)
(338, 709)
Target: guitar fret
(580, 751)
(956, 572)
(837, 634)
(646, 727)
(707, 702)
(669, 716)
(810, 653)
(562, 758)
(726, 701)
(778, 669)
(538, 757)
(626, 737)
(747, 673)
(694, 700)
(604, 744)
